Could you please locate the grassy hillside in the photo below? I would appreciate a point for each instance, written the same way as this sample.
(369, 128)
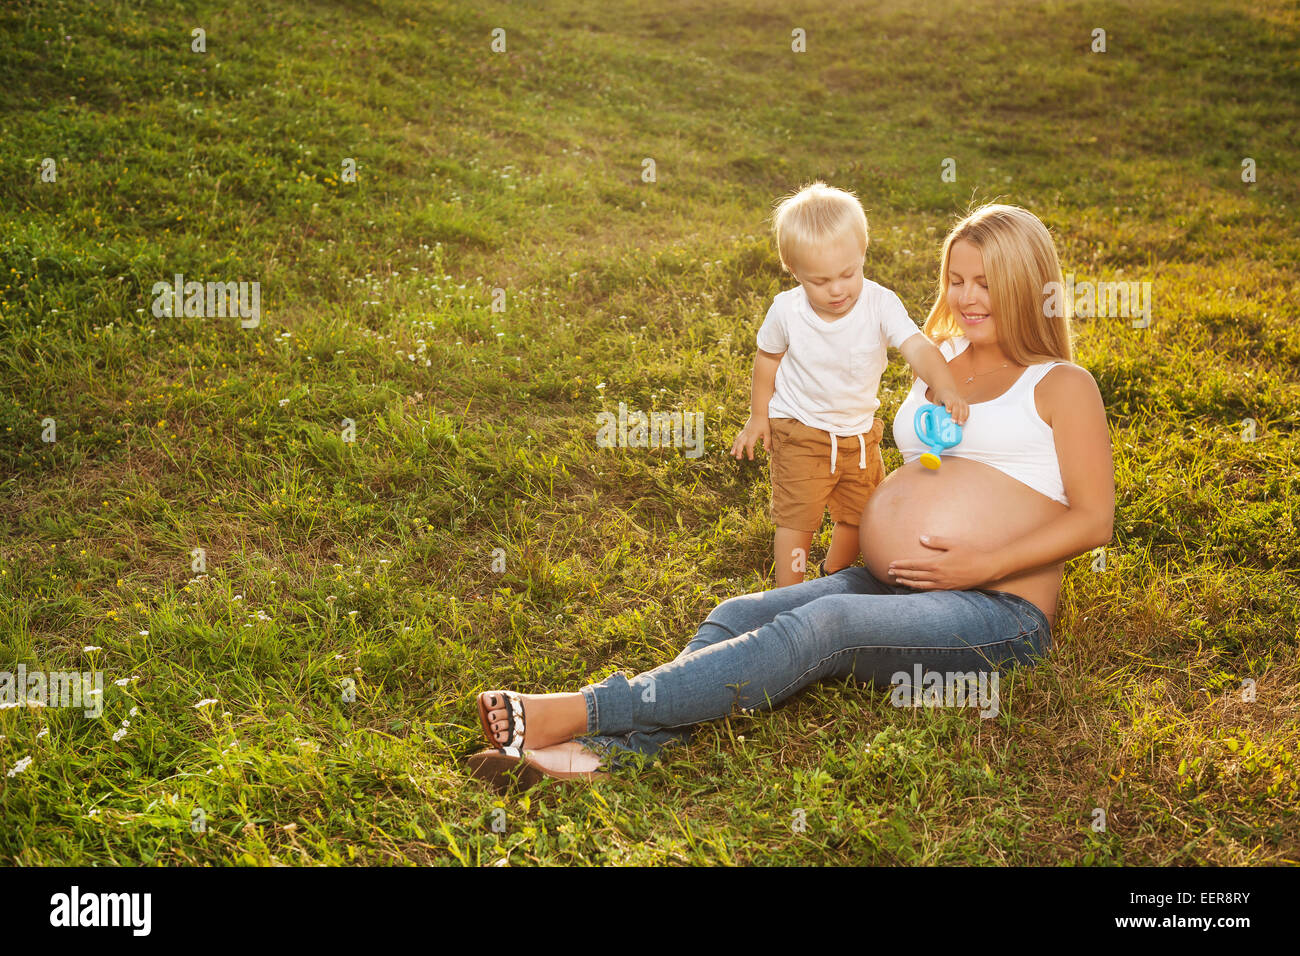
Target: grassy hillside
(333, 565)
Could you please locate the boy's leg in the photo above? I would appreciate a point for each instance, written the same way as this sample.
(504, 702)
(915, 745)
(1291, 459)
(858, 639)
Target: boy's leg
(790, 555)
(801, 484)
(845, 547)
(850, 495)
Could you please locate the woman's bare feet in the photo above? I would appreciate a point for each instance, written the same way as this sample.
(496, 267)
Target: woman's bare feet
(548, 718)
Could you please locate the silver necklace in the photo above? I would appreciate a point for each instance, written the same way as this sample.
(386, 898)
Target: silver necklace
(978, 374)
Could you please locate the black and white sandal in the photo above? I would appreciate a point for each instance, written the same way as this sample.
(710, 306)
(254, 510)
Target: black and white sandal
(514, 720)
(506, 767)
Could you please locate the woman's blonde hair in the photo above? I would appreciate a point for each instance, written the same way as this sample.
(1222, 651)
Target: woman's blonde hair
(816, 215)
(1020, 262)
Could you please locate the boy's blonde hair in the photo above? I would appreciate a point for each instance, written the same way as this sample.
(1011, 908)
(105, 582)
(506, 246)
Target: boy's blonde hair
(814, 216)
(1019, 262)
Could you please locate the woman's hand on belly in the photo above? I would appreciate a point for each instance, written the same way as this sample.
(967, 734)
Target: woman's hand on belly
(955, 565)
(970, 510)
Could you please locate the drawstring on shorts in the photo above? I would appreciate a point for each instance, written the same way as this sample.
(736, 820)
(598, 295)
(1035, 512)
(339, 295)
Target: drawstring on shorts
(862, 452)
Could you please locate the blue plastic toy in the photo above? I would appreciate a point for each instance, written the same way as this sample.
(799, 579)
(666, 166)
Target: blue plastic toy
(935, 427)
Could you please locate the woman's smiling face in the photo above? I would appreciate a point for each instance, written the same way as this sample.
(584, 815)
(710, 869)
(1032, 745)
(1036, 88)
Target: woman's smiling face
(968, 292)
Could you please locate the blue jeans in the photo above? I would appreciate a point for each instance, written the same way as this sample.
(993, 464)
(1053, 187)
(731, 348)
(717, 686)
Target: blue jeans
(756, 651)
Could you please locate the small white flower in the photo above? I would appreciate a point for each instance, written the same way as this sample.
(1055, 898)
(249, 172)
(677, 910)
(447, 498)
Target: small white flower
(284, 402)
(205, 702)
(91, 647)
(19, 767)
(44, 731)
(144, 633)
(134, 711)
(119, 734)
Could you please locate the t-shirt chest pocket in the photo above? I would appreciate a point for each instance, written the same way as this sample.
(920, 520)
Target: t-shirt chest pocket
(864, 361)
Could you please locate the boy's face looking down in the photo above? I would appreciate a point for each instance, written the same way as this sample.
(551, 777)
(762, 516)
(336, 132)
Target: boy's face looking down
(831, 275)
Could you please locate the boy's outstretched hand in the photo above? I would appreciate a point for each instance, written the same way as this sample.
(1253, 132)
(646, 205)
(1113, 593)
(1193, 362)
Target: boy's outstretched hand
(749, 435)
(950, 400)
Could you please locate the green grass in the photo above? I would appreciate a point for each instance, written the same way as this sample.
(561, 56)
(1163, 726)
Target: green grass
(475, 429)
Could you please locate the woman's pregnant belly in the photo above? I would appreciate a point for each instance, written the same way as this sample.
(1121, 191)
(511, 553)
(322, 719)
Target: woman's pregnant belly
(965, 500)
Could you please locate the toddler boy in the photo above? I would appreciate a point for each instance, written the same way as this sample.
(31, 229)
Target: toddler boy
(821, 351)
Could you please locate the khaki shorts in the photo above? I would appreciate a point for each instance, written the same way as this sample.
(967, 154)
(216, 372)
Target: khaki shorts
(802, 482)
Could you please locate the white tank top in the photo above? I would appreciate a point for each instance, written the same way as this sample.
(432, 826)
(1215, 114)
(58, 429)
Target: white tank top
(1005, 432)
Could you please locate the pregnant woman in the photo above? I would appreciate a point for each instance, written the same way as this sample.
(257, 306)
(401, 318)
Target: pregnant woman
(963, 564)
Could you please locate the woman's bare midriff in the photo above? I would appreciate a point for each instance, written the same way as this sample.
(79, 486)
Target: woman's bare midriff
(968, 501)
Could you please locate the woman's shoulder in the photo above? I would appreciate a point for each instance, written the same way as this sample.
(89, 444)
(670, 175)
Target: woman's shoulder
(1074, 376)
(1066, 386)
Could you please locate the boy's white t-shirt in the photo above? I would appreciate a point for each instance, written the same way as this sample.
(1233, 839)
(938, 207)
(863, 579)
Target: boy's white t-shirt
(830, 373)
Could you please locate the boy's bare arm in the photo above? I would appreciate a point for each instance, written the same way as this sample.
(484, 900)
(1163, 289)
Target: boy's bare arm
(760, 394)
(929, 364)
(764, 385)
